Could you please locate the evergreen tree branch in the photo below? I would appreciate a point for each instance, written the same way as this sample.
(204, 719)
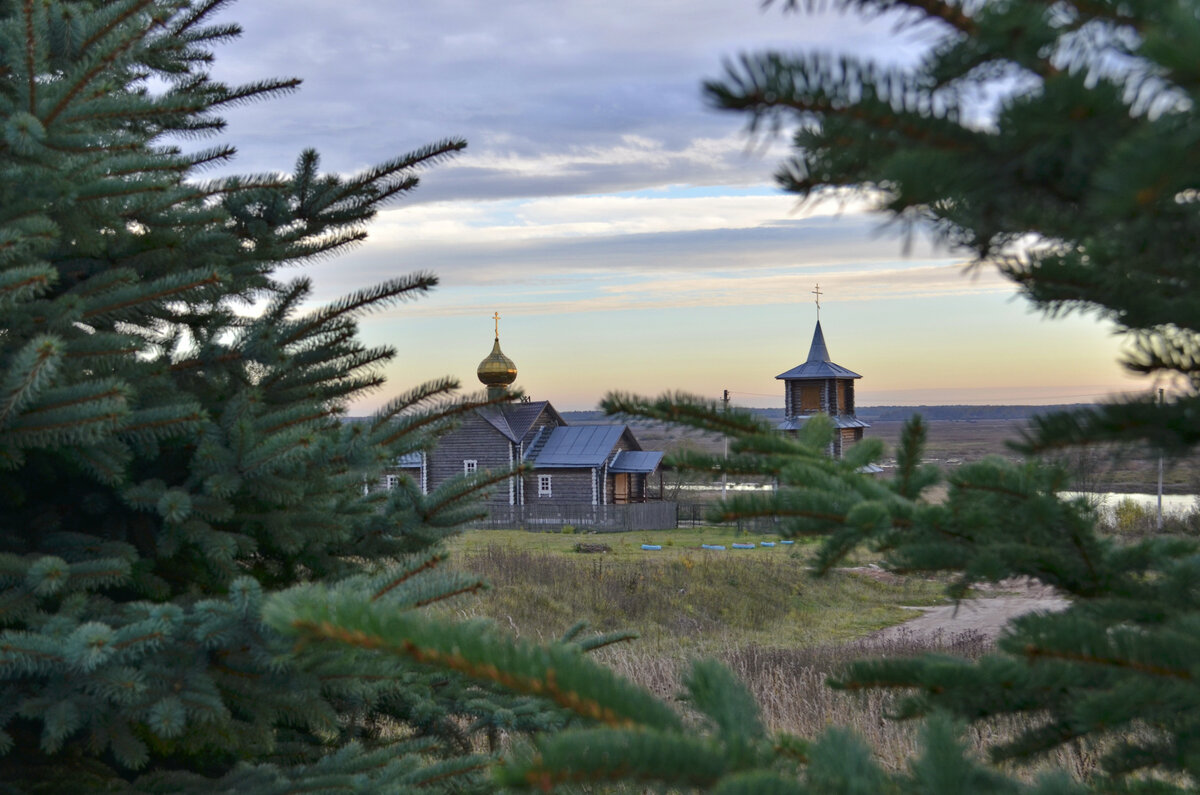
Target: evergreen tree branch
(194, 16)
(374, 298)
(439, 415)
(29, 372)
(104, 63)
(410, 400)
(557, 672)
(640, 756)
(25, 283)
(952, 15)
(407, 574)
(1034, 652)
(27, 11)
(461, 488)
(683, 409)
(165, 289)
(118, 16)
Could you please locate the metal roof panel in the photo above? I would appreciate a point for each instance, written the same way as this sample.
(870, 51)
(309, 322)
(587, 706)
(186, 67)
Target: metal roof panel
(839, 421)
(642, 461)
(495, 417)
(818, 351)
(522, 416)
(817, 370)
(579, 445)
(818, 364)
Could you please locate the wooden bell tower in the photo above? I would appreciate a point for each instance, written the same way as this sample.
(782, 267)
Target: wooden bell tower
(818, 386)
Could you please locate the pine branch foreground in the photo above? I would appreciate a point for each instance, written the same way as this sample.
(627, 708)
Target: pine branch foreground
(1081, 187)
(167, 466)
(221, 606)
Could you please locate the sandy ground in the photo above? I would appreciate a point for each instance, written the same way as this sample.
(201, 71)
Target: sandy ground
(984, 616)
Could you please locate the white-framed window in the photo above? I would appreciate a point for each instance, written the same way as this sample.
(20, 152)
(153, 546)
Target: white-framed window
(469, 466)
(544, 486)
(392, 481)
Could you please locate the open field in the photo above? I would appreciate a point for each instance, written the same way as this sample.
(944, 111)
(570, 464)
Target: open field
(678, 543)
(682, 598)
(954, 442)
(957, 442)
(781, 630)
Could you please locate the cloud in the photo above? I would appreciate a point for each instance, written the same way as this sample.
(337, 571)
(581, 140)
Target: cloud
(919, 280)
(596, 183)
(534, 86)
(522, 243)
(486, 224)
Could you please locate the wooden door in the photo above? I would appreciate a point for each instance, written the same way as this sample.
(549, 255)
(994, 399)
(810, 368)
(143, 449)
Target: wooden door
(621, 488)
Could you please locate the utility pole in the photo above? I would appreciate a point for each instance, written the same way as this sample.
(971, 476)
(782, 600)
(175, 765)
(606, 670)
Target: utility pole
(724, 467)
(1160, 470)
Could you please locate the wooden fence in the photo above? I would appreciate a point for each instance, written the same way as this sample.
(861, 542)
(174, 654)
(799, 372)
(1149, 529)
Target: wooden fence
(695, 514)
(581, 516)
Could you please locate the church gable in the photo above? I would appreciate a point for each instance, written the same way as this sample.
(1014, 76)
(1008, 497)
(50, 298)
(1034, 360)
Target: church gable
(526, 419)
(628, 442)
(475, 440)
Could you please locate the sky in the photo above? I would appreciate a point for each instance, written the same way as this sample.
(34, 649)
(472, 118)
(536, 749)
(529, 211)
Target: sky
(630, 237)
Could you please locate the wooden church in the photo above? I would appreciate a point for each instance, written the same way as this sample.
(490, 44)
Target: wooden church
(819, 386)
(568, 464)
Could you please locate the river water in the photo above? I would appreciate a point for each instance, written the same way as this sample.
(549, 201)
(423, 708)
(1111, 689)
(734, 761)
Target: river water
(1172, 503)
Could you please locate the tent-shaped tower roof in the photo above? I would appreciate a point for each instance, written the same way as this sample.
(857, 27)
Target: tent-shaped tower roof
(818, 364)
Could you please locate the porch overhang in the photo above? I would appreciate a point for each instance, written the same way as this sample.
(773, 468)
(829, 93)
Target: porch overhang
(641, 462)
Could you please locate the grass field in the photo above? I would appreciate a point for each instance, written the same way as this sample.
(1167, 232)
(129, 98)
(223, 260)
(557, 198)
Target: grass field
(681, 598)
(760, 611)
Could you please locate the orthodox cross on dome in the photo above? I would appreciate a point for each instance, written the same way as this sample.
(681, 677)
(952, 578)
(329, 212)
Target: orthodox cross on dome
(817, 293)
(496, 371)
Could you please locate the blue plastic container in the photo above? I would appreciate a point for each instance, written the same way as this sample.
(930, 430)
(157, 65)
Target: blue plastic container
(652, 547)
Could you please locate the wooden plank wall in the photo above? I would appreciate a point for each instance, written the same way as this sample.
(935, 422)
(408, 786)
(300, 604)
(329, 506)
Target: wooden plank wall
(566, 486)
(833, 396)
(543, 420)
(477, 439)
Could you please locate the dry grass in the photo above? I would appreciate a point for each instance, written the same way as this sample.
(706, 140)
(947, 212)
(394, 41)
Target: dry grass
(689, 599)
(676, 543)
(779, 629)
(790, 687)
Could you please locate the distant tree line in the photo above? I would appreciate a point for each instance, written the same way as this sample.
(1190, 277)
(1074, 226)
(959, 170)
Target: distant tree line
(896, 413)
(935, 413)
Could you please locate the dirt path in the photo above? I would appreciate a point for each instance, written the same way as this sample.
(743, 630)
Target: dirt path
(984, 616)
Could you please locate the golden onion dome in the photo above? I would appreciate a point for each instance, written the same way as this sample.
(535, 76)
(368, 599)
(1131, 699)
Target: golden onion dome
(497, 369)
